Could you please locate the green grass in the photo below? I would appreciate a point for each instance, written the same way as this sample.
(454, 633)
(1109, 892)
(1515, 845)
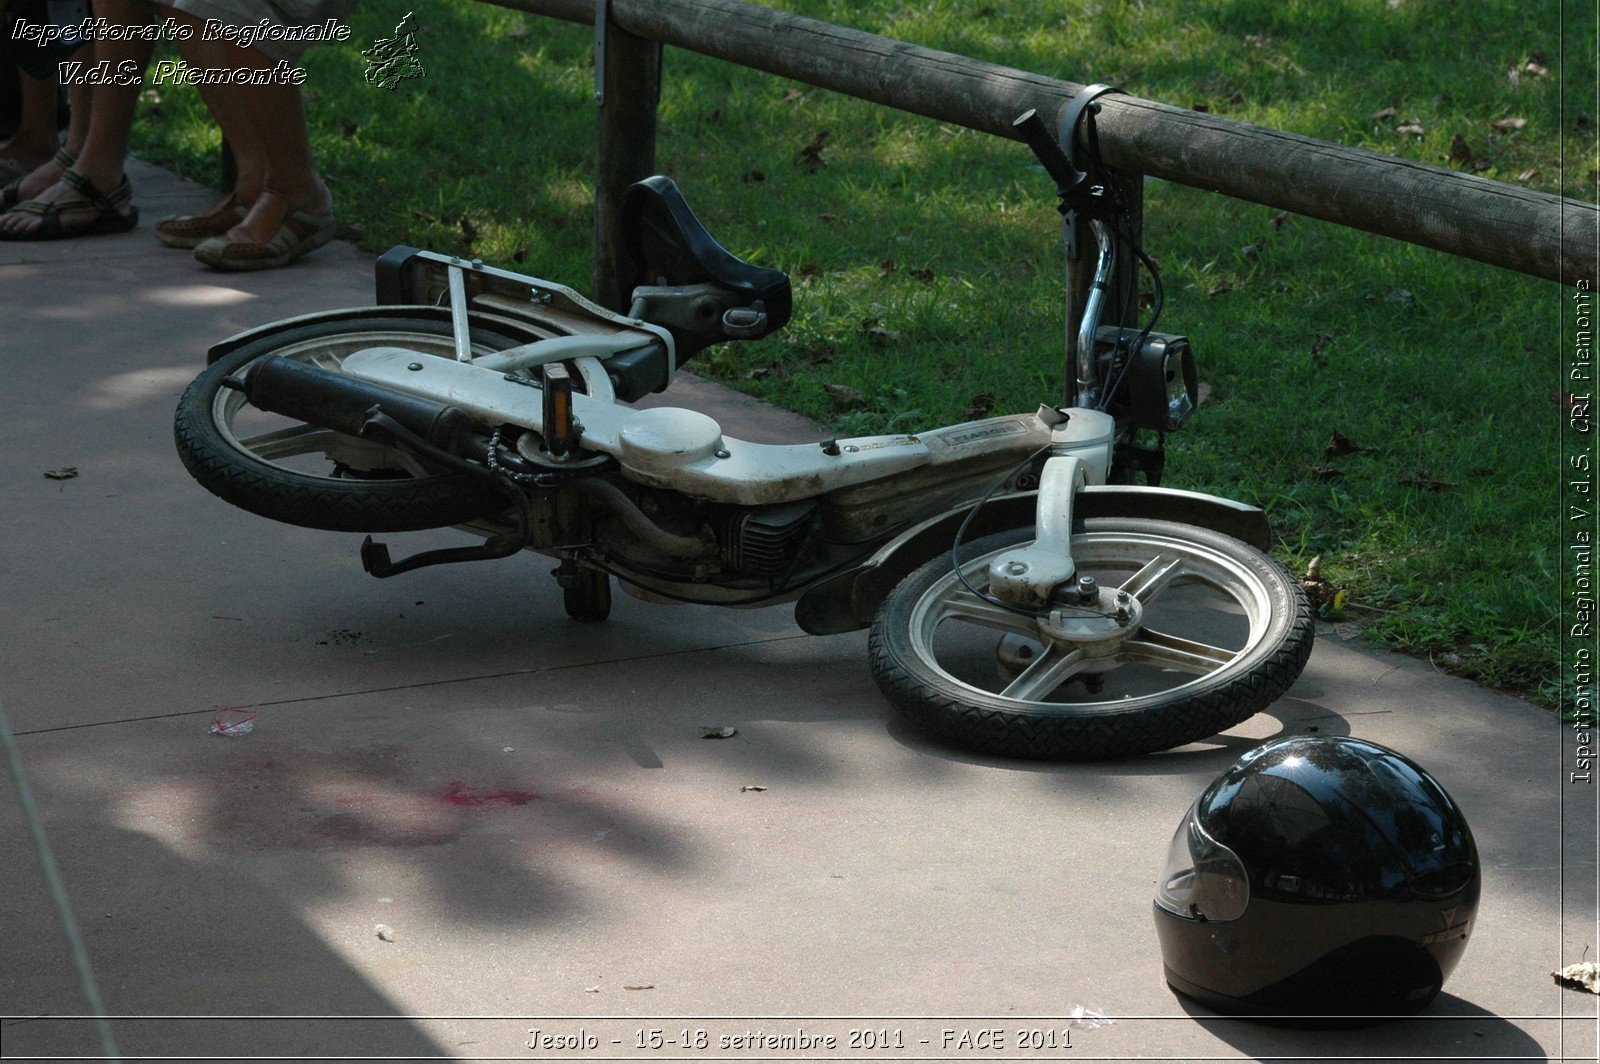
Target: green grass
(927, 263)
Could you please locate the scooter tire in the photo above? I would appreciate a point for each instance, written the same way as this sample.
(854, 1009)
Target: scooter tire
(936, 700)
(224, 466)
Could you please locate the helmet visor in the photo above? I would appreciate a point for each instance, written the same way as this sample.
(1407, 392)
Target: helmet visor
(1203, 879)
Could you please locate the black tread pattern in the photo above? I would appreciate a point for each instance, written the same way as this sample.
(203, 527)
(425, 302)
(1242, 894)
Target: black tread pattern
(271, 491)
(1068, 737)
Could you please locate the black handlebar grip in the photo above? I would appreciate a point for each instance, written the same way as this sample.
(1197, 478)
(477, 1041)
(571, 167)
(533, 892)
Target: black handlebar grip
(1036, 135)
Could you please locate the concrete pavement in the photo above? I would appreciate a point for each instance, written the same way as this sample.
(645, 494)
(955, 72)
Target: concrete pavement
(528, 803)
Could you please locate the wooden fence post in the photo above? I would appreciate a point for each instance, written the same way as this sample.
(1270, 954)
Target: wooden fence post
(628, 88)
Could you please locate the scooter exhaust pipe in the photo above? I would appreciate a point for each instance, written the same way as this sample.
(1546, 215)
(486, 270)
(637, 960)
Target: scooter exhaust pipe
(332, 400)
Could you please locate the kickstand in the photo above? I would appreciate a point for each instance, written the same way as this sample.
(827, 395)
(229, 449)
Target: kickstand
(375, 556)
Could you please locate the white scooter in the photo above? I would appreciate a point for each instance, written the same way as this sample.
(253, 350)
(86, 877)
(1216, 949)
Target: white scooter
(1025, 598)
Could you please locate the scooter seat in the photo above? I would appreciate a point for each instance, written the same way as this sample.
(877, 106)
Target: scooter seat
(663, 243)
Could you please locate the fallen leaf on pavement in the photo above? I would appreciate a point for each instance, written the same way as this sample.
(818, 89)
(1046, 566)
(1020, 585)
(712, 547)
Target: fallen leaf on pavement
(65, 473)
(719, 733)
(1584, 976)
(751, 787)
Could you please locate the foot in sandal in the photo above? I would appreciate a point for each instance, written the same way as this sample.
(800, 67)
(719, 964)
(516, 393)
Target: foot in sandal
(35, 180)
(192, 230)
(274, 233)
(72, 207)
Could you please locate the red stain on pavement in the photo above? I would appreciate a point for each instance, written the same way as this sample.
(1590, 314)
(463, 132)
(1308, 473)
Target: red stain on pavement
(457, 793)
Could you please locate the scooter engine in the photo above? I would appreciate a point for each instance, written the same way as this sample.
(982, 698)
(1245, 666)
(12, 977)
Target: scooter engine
(764, 540)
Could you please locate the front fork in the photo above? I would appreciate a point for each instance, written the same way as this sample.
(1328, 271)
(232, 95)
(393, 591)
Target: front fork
(1080, 450)
(1029, 575)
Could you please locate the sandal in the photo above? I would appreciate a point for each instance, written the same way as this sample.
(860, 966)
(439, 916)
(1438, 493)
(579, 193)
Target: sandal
(113, 214)
(298, 232)
(192, 230)
(11, 193)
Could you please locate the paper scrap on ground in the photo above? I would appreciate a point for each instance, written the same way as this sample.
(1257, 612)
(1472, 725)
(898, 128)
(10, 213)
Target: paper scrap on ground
(232, 722)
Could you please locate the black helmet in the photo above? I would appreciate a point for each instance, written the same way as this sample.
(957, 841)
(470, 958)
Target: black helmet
(1318, 877)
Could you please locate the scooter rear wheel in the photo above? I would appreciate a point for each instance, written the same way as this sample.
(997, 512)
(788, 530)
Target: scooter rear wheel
(316, 478)
(1214, 631)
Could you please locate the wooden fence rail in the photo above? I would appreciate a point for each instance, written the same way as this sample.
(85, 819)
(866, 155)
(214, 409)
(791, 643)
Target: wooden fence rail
(1520, 229)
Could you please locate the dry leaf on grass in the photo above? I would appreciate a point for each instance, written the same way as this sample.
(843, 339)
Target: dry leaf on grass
(1340, 445)
(844, 395)
(811, 155)
(979, 406)
(1426, 482)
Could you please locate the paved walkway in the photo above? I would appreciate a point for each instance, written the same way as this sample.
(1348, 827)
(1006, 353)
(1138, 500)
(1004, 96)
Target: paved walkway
(528, 803)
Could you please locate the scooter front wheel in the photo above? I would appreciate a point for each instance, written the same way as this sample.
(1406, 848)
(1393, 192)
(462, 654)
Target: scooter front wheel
(1184, 633)
(317, 478)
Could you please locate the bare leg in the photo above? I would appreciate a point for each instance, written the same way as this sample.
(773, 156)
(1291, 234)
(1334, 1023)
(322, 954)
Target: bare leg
(230, 109)
(266, 126)
(81, 97)
(48, 172)
(34, 140)
(105, 142)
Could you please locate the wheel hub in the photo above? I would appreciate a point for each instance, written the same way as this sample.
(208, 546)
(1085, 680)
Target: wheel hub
(1095, 620)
